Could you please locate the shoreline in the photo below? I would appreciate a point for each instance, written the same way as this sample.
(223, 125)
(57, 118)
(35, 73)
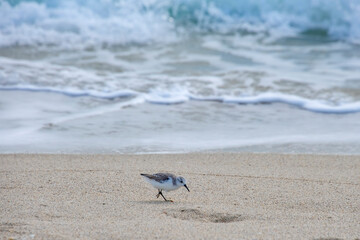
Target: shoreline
(277, 149)
(271, 128)
(233, 196)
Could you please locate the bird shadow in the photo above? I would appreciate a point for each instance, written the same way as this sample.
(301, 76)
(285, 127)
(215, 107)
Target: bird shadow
(155, 202)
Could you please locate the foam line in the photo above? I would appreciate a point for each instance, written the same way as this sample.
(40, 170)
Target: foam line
(72, 92)
(307, 104)
(168, 100)
(178, 97)
(100, 110)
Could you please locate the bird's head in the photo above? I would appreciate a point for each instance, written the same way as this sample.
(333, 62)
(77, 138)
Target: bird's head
(182, 181)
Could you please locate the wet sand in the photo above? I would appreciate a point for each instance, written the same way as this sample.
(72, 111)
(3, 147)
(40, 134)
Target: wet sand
(233, 196)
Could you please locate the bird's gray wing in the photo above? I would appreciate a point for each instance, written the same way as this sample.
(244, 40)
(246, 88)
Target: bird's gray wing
(159, 177)
(166, 176)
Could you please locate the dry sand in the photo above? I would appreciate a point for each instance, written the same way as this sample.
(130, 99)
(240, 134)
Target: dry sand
(233, 196)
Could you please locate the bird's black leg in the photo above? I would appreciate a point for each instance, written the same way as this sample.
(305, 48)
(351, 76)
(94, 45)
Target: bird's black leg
(158, 195)
(165, 198)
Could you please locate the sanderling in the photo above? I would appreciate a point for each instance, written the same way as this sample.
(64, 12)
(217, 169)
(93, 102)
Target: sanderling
(165, 181)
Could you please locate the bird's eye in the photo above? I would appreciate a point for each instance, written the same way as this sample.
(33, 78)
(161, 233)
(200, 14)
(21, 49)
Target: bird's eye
(181, 181)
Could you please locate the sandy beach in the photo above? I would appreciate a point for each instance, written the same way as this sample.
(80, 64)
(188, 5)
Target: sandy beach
(233, 196)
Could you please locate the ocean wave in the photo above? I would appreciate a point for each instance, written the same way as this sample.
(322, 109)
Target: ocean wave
(80, 24)
(178, 96)
(102, 23)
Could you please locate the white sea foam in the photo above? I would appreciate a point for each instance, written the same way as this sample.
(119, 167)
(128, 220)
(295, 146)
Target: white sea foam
(181, 95)
(306, 104)
(72, 92)
(173, 96)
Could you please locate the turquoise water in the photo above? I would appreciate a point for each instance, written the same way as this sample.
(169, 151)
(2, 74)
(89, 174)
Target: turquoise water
(175, 76)
(125, 22)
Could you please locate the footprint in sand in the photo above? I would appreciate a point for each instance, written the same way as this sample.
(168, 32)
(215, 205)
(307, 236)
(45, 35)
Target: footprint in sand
(197, 215)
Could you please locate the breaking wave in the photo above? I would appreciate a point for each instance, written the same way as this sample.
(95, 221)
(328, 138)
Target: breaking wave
(121, 22)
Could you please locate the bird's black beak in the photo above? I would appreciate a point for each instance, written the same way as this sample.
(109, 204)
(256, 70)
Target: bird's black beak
(186, 187)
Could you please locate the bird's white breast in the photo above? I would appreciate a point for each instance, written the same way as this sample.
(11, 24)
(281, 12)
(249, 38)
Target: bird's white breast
(166, 185)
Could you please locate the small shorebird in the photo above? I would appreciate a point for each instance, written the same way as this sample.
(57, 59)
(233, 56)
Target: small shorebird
(165, 181)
